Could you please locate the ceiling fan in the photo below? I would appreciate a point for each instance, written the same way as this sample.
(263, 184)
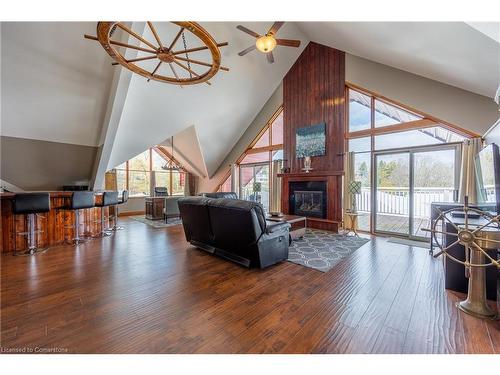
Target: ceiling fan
(267, 42)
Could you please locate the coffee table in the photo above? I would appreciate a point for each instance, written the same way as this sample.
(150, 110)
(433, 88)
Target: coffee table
(298, 223)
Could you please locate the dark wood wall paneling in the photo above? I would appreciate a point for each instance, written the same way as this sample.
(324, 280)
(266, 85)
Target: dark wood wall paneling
(313, 93)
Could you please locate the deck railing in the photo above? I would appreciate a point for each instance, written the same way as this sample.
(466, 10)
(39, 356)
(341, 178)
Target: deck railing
(396, 200)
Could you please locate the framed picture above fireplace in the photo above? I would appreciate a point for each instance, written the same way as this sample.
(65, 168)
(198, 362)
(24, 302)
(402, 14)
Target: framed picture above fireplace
(310, 141)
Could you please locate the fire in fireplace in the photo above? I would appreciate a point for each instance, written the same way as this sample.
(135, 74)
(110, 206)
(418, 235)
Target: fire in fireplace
(309, 203)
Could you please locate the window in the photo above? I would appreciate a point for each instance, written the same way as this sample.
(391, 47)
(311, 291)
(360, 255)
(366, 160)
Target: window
(254, 183)
(387, 114)
(375, 127)
(263, 140)
(147, 170)
(360, 144)
(139, 174)
(121, 177)
(256, 158)
(419, 137)
(255, 163)
(225, 187)
(277, 130)
(359, 111)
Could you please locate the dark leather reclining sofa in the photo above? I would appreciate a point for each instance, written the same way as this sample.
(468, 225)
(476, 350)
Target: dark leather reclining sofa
(234, 229)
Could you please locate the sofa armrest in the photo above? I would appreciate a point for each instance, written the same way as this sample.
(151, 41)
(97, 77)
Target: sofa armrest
(276, 227)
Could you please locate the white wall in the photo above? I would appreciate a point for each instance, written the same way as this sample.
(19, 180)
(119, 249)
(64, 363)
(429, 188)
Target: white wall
(260, 120)
(459, 107)
(134, 204)
(55, 83)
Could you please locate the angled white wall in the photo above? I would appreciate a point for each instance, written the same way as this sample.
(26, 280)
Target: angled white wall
(55, 83)
(187, 150)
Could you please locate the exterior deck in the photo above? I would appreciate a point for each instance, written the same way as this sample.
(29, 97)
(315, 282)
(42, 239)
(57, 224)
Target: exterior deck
(394, 223)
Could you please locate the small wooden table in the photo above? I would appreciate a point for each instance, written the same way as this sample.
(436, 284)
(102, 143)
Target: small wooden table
(353, 221)
(298, 223)
(154, 207)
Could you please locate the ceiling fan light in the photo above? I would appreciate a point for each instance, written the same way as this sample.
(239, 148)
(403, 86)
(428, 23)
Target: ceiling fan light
(265, 43)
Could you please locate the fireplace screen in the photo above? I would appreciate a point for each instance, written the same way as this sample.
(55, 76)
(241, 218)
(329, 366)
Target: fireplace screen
(309, 203)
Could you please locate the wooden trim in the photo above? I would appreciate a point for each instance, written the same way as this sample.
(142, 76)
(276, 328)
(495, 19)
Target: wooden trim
(166, 155)
(404, 126)
(445, 124)
(266, 126)
(251, 150)
(264, 149)
(312, 175)
(226, 176)
(126, 175)
(131, 213)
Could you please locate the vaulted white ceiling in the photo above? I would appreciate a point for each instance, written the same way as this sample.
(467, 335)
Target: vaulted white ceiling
(454, 53)
(221, 112)
(56, 85)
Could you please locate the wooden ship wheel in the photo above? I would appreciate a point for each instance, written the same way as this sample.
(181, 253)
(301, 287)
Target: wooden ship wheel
(164, 53)
(475, 238)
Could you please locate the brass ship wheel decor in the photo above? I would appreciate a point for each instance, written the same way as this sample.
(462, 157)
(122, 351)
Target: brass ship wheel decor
(181, 65)
(476, 240)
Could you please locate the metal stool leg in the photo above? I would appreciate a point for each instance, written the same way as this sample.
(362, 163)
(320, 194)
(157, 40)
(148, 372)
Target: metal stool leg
(76, 240)
(115, 227)
(105, 232)
(31, 236)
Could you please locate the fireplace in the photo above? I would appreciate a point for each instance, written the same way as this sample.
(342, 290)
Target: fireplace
(308, 203)
(308, 198)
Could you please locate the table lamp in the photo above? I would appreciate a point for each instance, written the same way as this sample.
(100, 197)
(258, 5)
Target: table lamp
(354, 189)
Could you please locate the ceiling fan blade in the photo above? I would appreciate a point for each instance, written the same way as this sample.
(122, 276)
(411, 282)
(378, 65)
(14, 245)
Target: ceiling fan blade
(275, 27)
(245, 51)
(288, 42)
(270, 57)
(248, 31)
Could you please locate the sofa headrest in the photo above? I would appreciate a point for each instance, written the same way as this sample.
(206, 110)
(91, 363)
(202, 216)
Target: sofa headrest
(221, 195)
(238, 204)
(195, 201)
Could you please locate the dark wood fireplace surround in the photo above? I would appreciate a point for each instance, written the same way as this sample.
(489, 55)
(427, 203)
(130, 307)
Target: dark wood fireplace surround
(314, 92)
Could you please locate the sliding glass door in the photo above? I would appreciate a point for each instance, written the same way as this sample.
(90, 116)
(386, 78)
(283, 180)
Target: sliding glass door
(435, 179)
(392, 193)
(407, 182)
(254, 183)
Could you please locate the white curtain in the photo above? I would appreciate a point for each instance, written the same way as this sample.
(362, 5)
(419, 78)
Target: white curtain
(275, 204)
(468, 185)
(152, 184)
(348, 177)
(187, 182)
(234, 178)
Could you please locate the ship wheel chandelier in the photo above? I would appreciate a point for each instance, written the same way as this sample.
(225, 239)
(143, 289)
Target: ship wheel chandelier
(172, 63)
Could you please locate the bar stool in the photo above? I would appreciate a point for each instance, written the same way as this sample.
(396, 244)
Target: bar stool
(31, 205)
(79, 200)
(109, 198)
(121, 201)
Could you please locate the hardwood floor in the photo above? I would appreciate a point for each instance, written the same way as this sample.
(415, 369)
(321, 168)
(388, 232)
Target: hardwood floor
(146, 290)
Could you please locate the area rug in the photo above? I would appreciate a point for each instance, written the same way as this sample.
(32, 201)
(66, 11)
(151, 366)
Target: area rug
(322, 250)
(404, 241)
(158, 223)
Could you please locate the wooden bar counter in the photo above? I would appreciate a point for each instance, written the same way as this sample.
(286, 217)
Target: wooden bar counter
(53, 224)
